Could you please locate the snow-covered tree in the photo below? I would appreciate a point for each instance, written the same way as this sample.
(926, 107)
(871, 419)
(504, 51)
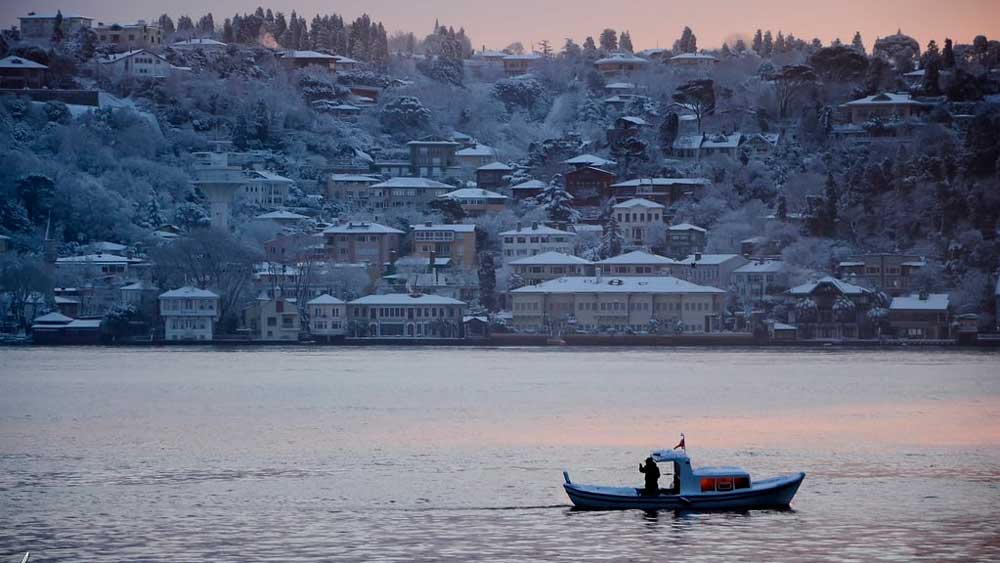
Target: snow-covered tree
(557, 202)
(612, 239)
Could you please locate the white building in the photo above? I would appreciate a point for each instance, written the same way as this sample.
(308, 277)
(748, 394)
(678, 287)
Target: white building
(758, 279)
(189, 313)
(224, 185)
(138, 63)
(607, 303)
(636, 263)
(327, 316)
(641, 221)
(202, 43)
(536, 239)
(709, 269)
(406, 315)
(549, 266)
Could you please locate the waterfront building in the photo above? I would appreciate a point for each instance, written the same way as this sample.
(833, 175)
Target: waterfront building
(189, 313)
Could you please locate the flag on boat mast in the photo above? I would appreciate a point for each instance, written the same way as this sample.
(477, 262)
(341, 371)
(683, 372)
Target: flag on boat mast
(680, 445)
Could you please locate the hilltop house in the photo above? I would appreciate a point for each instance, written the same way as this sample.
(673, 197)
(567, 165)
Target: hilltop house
(492, 175)
(40, 27)
(620, 63)
(693, 61)
(406, 192)
(139, 63)
(516, 65)
(884, 106)
(129, 36)
(527, 189)
(199, 43)
(351, 190)
(189, 313)
(304, 59)
(665, 191)
(433, 157)
(471, 158)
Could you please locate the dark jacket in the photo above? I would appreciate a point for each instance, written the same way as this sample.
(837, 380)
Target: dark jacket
(652, 473)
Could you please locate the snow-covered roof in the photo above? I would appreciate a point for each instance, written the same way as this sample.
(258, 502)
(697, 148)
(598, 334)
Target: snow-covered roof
(619, 86)
(100, 258)
(683, 57)
(406, 299)
(686, 227)
(499, 166)
(108, 246)
(637, 257)
(530, 185)
(722, 141)
(769, 138)
(342, 60)
(188, 292)
(488, 53)
(281, 215)
(199, 42)
(611, 284)
(783, 326)
(477, 150)
(269, 176)
(139, 286)
(536, 230)
(460, 228)
(589, 160)
(523, 57)
(550, 258)
(618, 58)
(473, 193)
(412, 183)
(353, 178)
(688, 141)
(639, 182)
(885, 98)
(765, 267)
(634, 120)
(842, 286)
(52, 318)
(325, 299)
(708, 259)
(20, 62)
(115, 57)
(638, 202)
(50, 16)
(931, 302)
(350, 228)
(653, 52)
(306, 55)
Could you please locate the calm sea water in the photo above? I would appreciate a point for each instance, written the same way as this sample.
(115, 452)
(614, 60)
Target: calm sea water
(421, 454)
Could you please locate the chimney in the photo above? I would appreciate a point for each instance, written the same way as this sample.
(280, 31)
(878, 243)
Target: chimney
(697, 256)
(428, 223)
(534, 226)
(598, 273)
(923, 295)
(519, 225)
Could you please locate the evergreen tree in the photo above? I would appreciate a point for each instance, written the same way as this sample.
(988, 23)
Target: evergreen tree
(589, 48)
(625, 42)
(768, 45)
(166, 25)
(758, 43)
(558, 202)
(609, 41)
(740, 46)
(688, 43)
(948, 55)
(857, 44)
(206, 25)
(57, 30)
(487, 281)
(779, 43)
(571, 50)
(725, 52)
(612, 239)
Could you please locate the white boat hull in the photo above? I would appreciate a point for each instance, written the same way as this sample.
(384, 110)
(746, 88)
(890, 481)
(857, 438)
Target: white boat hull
(776, 492)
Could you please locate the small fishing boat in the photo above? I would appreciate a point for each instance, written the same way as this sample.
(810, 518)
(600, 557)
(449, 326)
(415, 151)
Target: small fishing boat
(705, 488)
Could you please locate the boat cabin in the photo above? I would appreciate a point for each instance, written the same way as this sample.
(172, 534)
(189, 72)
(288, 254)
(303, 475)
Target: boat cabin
(686, 480)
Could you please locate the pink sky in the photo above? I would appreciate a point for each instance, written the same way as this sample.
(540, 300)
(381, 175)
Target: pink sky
(650, 22)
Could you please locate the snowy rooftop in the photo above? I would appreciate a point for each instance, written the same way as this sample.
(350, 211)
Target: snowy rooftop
(885, 98)
(189, 292)
(530, 185)
(99, 258)
(610, 284)
(281, 215)
(349, 228)
(199, 42)
(19, 62)
(843, 287)
(536, 230)
(49, 16)
(931, 302)
(708, 259)
(688, 141)
(634, 120)
(757, 267)
(694, 57)
(406, 299)
(341, 59)
(639, 202)
(589, 160)
(139, 286)
(108, 246)
(550, 258)
(474, 193)
(442, 227)
(113, 58)
(637, 257)
(686, 227)
(307, 55)
(499, 166)
(639, 182)
(653, 52)
(354, 178)
(620, 86)
(617, 58)
(477, 150)
(721, 141)
(53, 318)
(524, 57)
(412, 183)
(325, 299)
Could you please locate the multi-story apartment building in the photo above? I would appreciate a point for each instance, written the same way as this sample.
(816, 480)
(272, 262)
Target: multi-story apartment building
(606, 303)
(433, 157)
(189, 313)
(406, 315)
(477, 201)
(922, 315)
(636, 263)
(413, 193)
(546, 266)
(758, 279)
(457, 242)
(709, 269)
(665, 191)
(685, 239)
(362, 242)
(129, 36)
(892, 273)
(641, 221)
(41, 27)
(351, 190)
(535, 239)
(589, 185)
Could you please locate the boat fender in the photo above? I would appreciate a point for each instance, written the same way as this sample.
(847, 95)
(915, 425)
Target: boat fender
(566, 477)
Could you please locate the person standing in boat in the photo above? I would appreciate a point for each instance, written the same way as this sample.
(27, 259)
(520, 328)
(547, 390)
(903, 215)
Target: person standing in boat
(652, 473)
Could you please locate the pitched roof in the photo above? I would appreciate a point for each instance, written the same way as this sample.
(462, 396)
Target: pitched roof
(188, 292)
(473, 193)
(611, 284)
(477, 150)
(406, 299)
(20, 62)
(638, 182)
(536, 230)
(412, 183)
(639, 202)
(354, 178)
(758, 267)
(842, 286)
(306, 55)
(637, 257)
(53, 318)
(282, 214)
(710, 259)
(722, 141)
(349, 228)
(589, 160)
(885, 98)
(495, 166)
(931, 302)
(693, 57)
(550, 258)
(530, 185)
(99, 258)
(115, 57)
(199, 41)
(66, 16)
(621, 58)
(325, 299)
(686, 227)
(442, 227)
